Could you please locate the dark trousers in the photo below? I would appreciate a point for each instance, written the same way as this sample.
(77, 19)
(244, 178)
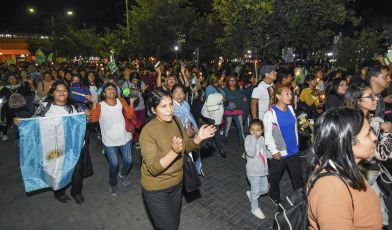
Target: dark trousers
(82, 168)
(277, 167)
(217, 137)
(196, 110)
(164, 206)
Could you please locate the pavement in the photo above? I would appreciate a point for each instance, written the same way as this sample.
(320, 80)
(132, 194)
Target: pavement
(221, 202)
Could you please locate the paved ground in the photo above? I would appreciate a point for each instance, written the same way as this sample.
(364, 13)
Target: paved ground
(221, 202)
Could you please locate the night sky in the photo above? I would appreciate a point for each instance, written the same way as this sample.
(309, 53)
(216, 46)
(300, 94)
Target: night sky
(14, 15)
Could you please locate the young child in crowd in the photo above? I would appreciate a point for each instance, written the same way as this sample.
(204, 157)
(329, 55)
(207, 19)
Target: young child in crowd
(256, 166)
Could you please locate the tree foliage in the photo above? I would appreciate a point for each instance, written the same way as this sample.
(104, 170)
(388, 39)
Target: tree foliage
(159, 24)
(270, 25)
(352, 51)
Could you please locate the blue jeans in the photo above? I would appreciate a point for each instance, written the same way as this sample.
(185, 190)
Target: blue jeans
(258, 187)
(238, 122)
(217, 137)
(111, 153)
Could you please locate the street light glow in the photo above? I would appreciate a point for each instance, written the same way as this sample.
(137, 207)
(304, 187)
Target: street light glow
(176, 48)
(70, 13)
(31, 10)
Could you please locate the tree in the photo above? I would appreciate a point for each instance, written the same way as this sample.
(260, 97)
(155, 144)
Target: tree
(352, 51)
(159, 24)
(270, 25)
(203, 34)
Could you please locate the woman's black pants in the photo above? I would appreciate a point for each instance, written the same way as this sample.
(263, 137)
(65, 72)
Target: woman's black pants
(164, 206)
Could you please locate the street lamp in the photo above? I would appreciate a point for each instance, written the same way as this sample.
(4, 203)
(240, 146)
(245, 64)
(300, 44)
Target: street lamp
(176, 49)
(31, 10)
(70, 13)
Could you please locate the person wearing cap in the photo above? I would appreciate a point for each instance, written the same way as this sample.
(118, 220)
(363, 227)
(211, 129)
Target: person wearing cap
(261, 93)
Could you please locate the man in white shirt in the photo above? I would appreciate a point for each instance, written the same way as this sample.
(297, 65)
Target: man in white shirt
(261, 94)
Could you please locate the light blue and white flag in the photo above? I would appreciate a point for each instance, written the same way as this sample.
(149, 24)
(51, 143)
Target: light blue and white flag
(49, 150)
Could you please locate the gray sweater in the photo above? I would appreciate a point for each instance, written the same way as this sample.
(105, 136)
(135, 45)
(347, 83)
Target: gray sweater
(257, 155)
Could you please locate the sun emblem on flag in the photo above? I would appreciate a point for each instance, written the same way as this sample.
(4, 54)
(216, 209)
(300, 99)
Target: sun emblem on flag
(55, 153)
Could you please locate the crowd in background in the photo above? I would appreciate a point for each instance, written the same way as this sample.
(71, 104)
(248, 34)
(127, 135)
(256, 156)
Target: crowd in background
(272, 111)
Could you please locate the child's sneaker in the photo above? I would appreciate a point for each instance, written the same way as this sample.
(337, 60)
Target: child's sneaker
(248, 194)
(259, 214)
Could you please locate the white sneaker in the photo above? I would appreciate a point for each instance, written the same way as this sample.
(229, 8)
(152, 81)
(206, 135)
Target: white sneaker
(221, 132)
(248, 194)
(259, 214)
(5, 137)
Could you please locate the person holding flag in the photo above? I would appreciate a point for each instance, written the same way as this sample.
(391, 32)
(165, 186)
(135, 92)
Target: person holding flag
(57, 153)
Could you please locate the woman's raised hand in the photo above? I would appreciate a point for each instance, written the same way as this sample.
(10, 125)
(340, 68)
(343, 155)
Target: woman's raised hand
(90, 98)
(206, 132)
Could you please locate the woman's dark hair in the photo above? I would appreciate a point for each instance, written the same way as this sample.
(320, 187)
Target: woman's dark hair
(68, 103)
(237, 85)
(135, 75)
(102, 96)
(332, 88)
(155, 99)
(256, 122)
(334, 134)
(177, 86)
(97, 83)
(353, 94)
(308, 77)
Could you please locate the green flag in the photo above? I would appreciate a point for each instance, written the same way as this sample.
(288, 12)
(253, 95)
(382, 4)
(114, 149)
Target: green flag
(11, 61)
(112, 66)
(50, 56)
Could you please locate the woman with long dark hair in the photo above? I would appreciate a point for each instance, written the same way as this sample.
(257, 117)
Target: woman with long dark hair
(361, 97)
(335, 93)
(342, 139)
(58, 103)
(162, 147)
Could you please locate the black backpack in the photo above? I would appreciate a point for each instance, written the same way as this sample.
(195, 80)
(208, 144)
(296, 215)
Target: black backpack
(293, 211)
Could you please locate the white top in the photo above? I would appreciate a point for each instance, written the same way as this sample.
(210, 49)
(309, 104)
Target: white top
(261, 93)
(112, 124)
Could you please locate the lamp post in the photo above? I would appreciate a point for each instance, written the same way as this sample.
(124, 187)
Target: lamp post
(176, 49)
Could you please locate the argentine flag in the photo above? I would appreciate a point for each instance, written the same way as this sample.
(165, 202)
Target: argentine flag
(49, 150)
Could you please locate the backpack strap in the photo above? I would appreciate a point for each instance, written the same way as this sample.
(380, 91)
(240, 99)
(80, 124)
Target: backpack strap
(47, 107)
(321, 175)
(84, 89)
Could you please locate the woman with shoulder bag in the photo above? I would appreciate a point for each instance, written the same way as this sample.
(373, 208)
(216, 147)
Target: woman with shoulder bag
(162, 149)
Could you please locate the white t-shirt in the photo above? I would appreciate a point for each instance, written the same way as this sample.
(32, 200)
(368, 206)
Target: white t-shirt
(262, 93)
(112, 123)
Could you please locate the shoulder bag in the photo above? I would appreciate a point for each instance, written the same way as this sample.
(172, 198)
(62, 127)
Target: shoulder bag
(191, 180)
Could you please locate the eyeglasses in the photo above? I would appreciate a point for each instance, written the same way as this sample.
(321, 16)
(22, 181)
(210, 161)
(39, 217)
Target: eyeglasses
(371, 96)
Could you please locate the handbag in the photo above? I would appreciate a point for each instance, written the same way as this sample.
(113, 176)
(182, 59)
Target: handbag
(225, 103)
(293, 211)
(131, 124)
(191, 180)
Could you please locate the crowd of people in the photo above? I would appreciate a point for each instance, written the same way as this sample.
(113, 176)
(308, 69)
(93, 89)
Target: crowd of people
(345, 114)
